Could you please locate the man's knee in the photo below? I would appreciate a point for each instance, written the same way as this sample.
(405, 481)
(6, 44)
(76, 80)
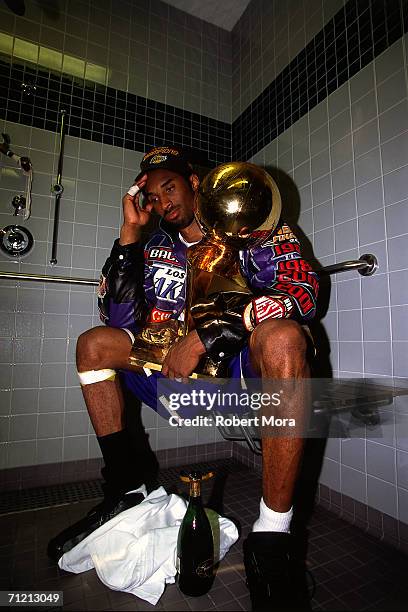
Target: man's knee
(279, 338)
(102, 347)
(90, 348)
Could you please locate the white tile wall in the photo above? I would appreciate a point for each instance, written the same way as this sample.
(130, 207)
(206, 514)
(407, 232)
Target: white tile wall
(359, 205)
(43, 417)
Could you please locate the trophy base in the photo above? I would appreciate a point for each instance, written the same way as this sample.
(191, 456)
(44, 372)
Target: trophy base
(141, 356)
(207, 368)
(152, 344)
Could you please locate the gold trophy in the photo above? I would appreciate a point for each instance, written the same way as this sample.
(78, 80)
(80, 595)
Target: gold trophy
(238, 206)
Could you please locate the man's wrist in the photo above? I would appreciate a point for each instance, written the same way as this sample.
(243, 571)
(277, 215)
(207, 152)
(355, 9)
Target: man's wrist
(129, 233)
(197, 346)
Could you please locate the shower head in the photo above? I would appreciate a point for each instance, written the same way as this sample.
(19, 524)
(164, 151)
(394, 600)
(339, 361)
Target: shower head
(17, 6)
(16, 240)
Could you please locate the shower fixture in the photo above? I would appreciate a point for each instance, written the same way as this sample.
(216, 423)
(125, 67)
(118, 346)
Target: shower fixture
(58, 188)
(20, 203)
(16, 241)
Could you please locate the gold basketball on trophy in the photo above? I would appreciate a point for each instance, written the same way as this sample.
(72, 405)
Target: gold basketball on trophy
(238, 205)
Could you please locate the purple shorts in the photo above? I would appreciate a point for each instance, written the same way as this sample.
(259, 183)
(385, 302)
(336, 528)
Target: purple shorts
(146, 387)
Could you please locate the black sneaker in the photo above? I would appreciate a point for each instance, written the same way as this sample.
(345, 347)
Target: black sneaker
(276, 581)
(98, 516)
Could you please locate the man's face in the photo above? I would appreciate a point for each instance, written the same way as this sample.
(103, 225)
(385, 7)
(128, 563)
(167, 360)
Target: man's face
(172, 196)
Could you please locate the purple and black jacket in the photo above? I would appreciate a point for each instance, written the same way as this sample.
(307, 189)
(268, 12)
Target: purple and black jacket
(141, 284)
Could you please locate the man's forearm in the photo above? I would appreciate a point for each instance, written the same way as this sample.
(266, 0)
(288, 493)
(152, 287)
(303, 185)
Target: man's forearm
(129, 233)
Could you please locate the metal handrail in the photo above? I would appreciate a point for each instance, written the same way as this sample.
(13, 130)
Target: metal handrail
(366, 266)
(42, 278)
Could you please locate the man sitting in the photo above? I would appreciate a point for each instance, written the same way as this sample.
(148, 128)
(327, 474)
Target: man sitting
(139, 285)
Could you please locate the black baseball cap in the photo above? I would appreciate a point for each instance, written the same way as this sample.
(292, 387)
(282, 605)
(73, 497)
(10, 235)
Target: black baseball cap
(169, 158)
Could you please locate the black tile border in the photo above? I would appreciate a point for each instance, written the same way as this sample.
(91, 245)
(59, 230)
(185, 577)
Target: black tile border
(107, 115)
(39, 497)
(358, 32)
(19, 478)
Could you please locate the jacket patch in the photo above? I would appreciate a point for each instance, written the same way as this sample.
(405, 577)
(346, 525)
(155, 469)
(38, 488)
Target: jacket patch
(158, 316)
(164, 254)
(266, 307)
(282, 237)
(168, 282)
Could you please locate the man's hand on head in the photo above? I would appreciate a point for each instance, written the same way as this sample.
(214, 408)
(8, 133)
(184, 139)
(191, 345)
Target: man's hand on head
(183, 356)
(134, 216)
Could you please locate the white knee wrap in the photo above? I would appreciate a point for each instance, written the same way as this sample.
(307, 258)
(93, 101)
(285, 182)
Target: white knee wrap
(94, 376)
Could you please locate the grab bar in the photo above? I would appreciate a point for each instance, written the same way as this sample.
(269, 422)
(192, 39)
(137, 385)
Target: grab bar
(366, 265)
(42, 278)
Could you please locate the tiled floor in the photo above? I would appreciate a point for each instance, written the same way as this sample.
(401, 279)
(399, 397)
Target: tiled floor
(352, 570)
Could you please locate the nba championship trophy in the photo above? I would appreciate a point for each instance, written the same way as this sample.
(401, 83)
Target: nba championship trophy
(238, 206)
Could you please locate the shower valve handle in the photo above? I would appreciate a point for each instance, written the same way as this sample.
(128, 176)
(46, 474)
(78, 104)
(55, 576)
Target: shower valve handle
(57, 189)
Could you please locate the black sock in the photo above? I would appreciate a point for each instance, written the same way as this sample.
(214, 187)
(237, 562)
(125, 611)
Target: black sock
(122, 472)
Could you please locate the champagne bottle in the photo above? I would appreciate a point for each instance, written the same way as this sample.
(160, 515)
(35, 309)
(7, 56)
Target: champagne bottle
(195, 546)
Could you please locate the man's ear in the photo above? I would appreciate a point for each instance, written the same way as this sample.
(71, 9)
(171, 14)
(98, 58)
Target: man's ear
(195, 182)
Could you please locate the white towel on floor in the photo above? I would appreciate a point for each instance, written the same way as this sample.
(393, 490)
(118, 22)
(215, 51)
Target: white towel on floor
(136, 551)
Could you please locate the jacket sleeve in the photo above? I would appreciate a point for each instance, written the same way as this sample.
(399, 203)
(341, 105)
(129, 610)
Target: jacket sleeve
(277, 268)
(283, 286)
(121, 298)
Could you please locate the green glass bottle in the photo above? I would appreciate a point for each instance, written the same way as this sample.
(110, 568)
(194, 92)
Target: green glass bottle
(195, 546)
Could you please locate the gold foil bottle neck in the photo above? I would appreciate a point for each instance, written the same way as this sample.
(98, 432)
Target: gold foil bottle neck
(194, 480)
(195, 488)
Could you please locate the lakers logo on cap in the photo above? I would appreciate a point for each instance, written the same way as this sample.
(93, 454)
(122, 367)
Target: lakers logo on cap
(158, 159)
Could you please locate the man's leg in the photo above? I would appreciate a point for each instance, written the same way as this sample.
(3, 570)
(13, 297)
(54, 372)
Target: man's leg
(101, 351)
(98, 349)
(278, 351)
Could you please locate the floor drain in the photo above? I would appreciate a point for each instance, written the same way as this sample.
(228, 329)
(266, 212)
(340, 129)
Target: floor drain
(73, 492)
